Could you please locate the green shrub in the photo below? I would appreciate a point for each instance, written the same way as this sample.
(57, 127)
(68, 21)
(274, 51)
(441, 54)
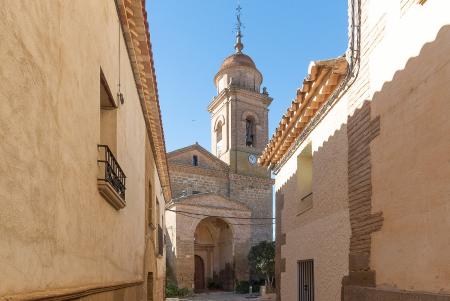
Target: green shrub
(214, 285)
(171, 290)
(183, 292)
(242, 287)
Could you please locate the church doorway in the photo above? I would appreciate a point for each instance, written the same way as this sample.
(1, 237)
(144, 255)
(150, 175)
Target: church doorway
(199, 273)
(214, 255)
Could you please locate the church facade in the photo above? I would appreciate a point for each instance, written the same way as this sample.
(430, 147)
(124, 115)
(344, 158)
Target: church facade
(222, 200)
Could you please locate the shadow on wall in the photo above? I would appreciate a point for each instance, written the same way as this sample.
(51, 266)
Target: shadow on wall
(410, 172)
(407, 177)
(170, 260)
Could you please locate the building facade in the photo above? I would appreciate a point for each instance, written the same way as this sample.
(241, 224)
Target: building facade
(83, 148)
(361, 163)
(222, 200)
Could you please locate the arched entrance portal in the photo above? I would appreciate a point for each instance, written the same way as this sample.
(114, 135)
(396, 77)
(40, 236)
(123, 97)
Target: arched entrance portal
(213, 244)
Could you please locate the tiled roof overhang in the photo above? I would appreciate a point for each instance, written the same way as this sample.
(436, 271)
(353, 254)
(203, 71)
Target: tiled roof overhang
(323, 79)
(133, 17)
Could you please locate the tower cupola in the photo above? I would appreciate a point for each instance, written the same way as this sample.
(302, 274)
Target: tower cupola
(238, 70)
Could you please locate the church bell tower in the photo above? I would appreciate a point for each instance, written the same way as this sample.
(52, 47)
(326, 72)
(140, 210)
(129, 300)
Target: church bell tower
(239, 112)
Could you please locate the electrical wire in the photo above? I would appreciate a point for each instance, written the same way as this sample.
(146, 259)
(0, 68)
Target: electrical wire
(222, 216)
(247, 224)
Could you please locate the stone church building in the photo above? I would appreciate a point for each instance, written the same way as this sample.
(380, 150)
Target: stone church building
(222, 200)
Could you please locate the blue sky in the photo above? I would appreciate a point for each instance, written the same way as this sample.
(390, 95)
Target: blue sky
(190, 39)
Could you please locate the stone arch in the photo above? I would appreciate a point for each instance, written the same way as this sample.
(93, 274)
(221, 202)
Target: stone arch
(214, 244)
(251, 114)
(219, 121)
(219, 135)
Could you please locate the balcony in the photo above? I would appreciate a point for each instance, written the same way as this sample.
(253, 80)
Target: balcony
(111, 178)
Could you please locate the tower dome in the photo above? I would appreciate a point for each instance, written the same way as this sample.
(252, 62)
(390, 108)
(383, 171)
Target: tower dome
(238, 70)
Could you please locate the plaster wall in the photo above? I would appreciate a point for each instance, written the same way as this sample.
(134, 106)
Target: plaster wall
(322, 232)
(154, 263)
(411, 172)
(404, 69)
(56, 231)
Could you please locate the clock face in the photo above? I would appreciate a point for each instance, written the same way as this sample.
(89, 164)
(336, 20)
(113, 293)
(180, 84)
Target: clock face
(252, 159)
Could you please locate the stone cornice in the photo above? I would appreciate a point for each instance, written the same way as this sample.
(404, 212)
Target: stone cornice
(133, 17)
(228, 92)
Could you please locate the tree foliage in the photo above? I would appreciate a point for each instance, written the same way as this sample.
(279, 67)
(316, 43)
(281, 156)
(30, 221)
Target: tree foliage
(261, 259)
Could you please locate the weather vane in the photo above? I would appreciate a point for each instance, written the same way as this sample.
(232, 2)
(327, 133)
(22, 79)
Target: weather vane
(238, 17)
(239, 46)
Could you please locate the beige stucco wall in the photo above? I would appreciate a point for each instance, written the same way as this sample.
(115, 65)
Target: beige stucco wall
(154, 263)
(321, 233)
(56, 230)
(411, 171)
(406, 80)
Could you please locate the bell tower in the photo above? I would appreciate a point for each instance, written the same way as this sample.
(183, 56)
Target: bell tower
(239, 112)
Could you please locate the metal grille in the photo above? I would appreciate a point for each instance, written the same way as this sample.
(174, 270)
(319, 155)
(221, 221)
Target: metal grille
(306, 280)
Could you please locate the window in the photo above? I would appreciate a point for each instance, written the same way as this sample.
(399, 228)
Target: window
(158, 213)
(108, 116)
(304, 178)
(195, 192)
(306, 280)
(219, 138)
(110, 178)
(150, 204)
(250, 131)
(160, 241)
(194, 160)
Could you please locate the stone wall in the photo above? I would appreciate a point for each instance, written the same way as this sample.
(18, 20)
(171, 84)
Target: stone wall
(186, 227)
(186, 181)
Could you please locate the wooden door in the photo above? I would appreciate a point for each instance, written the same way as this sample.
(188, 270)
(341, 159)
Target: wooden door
(199, 274)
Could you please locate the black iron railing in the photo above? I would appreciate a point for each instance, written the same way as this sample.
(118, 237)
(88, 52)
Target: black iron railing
(112, 174)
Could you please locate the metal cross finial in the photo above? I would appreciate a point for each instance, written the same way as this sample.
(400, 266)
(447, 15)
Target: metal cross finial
(238, 46)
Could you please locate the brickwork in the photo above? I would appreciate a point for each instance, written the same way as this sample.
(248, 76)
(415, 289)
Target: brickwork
(211, 188)
(185, 183)
(361, 131)
(395, 176)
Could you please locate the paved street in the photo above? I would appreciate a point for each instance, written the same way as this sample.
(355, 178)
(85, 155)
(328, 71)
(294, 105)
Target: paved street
(218, 296)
